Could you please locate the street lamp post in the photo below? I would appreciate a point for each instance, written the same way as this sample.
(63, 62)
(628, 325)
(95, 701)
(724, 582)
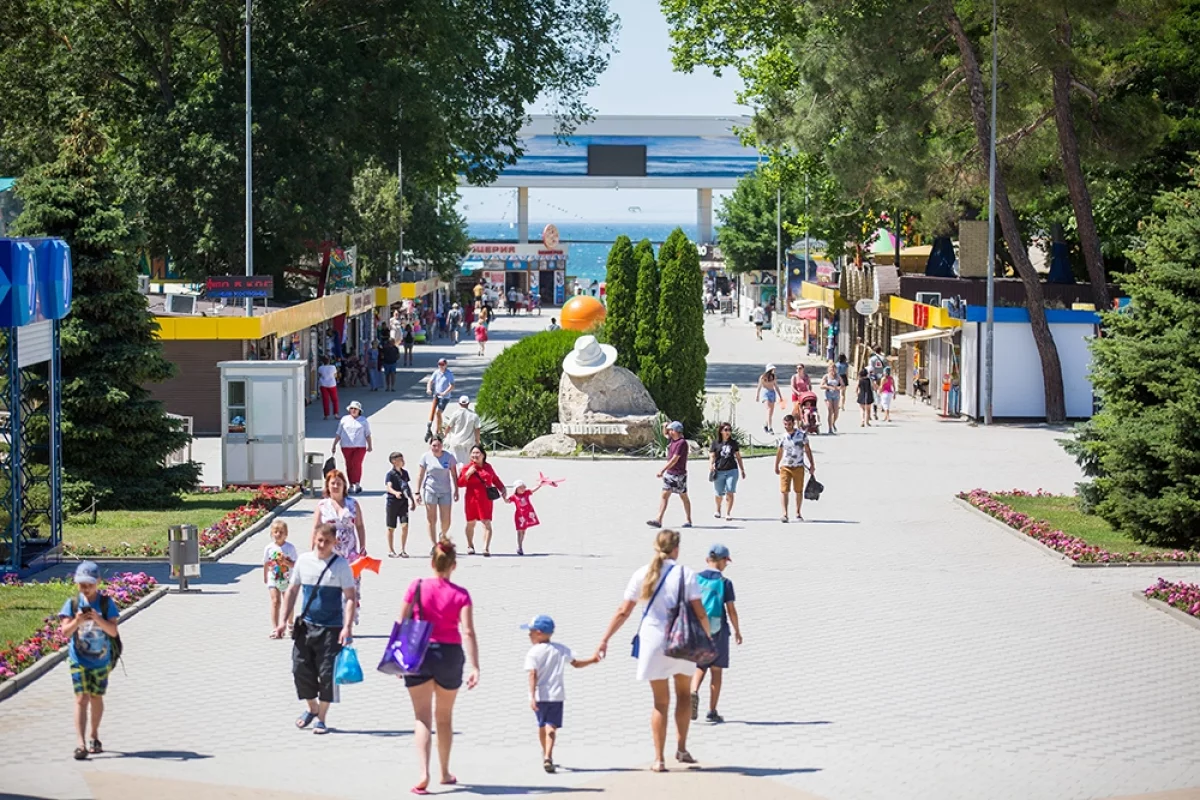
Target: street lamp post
(989, 354)
(249, 169)
(779, 299)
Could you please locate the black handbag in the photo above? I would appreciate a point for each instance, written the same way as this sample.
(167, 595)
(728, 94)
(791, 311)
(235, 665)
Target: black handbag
(492, 492)
(813, 489)
(300, 627)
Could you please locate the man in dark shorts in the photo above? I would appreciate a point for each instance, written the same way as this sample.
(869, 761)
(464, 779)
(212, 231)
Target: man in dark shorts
(674, 474)
(389, 356)
(399, 500)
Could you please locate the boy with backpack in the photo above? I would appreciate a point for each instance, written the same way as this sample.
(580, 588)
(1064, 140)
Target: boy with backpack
(89, 620)
(717, 595)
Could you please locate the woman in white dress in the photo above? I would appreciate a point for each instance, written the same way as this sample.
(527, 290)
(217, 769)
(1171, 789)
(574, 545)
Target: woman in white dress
(659, 583)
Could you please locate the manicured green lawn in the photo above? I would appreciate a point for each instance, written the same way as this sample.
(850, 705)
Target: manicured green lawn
(1063, 513)
(113, 528)
(22, 608)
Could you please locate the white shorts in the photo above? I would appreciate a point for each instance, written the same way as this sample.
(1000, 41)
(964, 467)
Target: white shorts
(885, 399)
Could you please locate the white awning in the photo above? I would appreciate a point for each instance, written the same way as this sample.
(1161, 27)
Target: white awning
(801, 304)
(922, 336)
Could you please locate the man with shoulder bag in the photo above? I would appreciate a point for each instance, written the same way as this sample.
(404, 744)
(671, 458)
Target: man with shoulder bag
(324, 625)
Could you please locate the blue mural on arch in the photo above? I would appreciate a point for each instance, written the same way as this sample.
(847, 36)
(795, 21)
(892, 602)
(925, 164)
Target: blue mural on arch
(666, 156)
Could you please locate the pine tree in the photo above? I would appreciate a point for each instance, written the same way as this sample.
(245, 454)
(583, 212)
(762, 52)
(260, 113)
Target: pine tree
(115, 437)
(646, 306)
(620, 324)
(1143, 447)
(682, 349)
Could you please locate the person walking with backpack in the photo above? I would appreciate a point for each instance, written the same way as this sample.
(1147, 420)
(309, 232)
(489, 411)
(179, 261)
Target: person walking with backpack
(663, 584)
(89, 621)
(716, 592)
(454, 321)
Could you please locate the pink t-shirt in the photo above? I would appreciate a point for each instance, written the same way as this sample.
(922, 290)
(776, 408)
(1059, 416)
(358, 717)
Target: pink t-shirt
(441, 604)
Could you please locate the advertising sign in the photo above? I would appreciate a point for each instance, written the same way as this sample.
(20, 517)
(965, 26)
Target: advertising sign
(239, 286)
(560, 287)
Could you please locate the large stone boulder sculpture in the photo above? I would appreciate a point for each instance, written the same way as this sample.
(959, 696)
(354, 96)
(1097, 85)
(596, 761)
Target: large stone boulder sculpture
(602, 404)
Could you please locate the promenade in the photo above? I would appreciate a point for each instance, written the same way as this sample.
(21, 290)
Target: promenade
(896, 646)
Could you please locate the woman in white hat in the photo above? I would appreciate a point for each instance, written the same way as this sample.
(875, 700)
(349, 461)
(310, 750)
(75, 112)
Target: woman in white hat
(354, 435)
(768, 392)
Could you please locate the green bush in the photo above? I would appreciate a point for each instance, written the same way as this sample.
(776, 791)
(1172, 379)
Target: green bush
(519, 392)
(646, 306)
(1142, 449)
(620, 324)
(682, 349)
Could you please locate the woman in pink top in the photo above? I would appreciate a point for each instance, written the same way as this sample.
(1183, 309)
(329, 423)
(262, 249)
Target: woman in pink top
(447, 607)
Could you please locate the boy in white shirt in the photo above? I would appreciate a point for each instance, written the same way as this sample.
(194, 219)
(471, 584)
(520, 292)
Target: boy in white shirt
(546, 662)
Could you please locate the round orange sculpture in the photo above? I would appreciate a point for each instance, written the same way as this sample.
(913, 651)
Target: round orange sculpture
(582, 313)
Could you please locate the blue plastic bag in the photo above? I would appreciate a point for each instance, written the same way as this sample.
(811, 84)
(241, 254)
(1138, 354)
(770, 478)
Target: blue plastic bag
(346, 668)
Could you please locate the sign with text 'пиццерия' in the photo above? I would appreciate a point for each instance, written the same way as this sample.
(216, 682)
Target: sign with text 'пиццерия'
(239, 286)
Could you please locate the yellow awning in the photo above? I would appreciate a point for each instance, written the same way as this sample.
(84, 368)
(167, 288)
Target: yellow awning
(920, 336)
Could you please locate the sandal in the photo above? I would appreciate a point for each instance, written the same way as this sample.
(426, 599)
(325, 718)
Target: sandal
(520, 552)
(451, 781)
(394, 554)
(81, 754)
(659, 766)
(470, 551)
(274, 635)
(419, 790)
(95, 746)
(783, 519)
(548, 765)
(487, 554)
(653, 523)
(320, 729)
(403, 554)
(684, 757)
(305, 720)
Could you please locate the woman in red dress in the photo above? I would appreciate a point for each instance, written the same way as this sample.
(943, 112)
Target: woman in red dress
(477, 477)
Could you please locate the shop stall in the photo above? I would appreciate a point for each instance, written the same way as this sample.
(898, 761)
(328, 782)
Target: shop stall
(533, 270)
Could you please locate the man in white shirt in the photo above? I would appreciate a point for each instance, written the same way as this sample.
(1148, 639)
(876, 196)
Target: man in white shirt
(789, 464)
(758, 316)
(462, 430)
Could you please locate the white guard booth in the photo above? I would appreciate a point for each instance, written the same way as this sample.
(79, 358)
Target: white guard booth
(262, 439)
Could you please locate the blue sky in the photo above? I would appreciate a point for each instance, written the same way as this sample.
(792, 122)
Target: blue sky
(639, 80)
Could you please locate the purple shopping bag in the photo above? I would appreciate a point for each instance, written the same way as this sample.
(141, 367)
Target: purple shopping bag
(405, 650)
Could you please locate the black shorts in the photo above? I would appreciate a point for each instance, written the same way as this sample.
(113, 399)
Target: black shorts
(397, 512)
(549, 713)
(721, 640)
(443, 665)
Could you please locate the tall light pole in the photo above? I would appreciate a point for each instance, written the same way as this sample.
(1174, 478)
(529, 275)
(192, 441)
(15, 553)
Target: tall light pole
(779, 299)
(989, 354)
(400, 206)
(807, 227)
(249, 169)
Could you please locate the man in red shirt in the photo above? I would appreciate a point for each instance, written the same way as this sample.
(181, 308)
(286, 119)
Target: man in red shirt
(674, 474)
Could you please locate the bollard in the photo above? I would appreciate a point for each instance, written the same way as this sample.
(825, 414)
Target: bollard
(183, 553)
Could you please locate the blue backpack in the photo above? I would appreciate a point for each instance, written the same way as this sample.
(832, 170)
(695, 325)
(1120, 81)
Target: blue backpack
(712, 595)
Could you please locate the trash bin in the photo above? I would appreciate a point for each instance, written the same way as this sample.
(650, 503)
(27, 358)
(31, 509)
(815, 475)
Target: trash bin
(314, 464)
(183, 553)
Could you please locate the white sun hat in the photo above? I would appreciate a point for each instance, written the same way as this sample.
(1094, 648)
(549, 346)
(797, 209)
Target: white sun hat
(589, 357)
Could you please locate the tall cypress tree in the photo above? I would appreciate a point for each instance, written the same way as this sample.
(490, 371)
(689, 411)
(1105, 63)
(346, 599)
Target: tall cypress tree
(620, 325)
(1143, 447)
(682, 349)
(646, 307)
(115, 437)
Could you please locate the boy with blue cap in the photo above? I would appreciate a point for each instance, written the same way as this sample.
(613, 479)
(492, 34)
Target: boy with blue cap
(716, 592)
(89, 621)
(546, 662)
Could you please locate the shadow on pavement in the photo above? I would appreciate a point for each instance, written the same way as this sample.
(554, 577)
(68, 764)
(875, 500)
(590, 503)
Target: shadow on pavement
(525, 790)
(776, 723)
(380, 734)
(160, 755)
(763, 772)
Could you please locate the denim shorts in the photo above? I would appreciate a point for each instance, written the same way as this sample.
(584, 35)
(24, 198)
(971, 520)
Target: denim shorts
(726, 482)
(769, 396)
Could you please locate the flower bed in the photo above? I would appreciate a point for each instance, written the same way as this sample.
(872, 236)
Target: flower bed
(1183, 596)
(1073, 547)
(125, 588)
(212, 538)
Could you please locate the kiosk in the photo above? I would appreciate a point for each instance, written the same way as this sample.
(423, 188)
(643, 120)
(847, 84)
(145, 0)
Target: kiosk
(262, 436)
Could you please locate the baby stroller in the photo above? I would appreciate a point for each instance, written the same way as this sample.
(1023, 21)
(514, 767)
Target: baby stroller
(806, 412)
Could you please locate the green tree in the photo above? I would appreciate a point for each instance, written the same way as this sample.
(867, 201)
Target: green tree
(682, 349)
(338, 85)
(646, 307)
(376, 222)
(1143, 447)
(115, 437)
(519, 390)
(620, 324)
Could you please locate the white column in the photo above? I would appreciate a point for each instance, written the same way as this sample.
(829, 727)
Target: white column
(704, 216)
(523, 215)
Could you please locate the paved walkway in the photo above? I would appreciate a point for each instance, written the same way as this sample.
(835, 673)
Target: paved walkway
(896, 646)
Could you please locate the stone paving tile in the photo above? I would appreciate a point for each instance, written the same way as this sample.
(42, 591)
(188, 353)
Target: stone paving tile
(896, 646)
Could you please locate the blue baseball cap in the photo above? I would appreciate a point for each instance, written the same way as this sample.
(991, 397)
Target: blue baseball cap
(540, 623)
(87, 572)
(719, 551)
(676, 426)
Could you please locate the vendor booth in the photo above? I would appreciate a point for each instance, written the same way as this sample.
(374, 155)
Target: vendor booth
(262, 438)
(1018, 390)
(533, 270)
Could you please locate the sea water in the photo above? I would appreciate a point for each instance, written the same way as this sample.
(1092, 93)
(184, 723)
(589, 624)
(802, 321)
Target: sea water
(587, 243)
